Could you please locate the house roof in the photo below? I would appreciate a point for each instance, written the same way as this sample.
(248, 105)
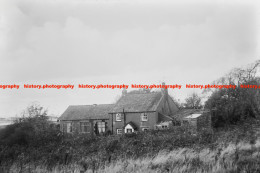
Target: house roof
(186, 112)
(138, 102)
(163, 118)
(192, 116)
(190, 113)
(131, 124)
(80, 112)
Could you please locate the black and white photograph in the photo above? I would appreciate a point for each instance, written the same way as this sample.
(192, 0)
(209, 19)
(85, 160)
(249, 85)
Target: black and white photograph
(129, 86)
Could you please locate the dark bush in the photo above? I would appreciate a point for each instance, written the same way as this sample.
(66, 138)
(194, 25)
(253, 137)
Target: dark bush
(17, 134)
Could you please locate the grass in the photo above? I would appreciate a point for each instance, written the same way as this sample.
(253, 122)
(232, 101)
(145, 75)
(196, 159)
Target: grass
(233, 158)
(241, 157)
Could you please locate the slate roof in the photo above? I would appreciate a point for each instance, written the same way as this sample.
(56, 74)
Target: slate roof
(80, 112)
(138, 102)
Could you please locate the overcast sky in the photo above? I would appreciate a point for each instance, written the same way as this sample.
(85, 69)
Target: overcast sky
(116, 42)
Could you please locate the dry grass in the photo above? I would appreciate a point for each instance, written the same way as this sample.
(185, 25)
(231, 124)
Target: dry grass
(241, 157)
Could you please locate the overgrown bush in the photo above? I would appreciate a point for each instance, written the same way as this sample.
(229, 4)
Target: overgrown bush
(17, 134)
(234, 105)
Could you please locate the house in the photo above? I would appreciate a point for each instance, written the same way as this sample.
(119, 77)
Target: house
(141, 111)
(86, 119)
(135, 111)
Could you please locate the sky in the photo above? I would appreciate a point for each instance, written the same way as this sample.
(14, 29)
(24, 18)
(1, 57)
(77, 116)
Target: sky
(118, 42)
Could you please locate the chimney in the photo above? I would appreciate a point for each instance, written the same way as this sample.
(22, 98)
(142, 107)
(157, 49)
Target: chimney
(124, 92)
(164, 90)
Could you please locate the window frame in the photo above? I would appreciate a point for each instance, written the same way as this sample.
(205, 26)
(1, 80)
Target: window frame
(89, 125)
(165, 127)
(64, 127)
(143, 115)
(129, 129)
(117, 117)
(69, 127)
(101, 126)
(117, 130)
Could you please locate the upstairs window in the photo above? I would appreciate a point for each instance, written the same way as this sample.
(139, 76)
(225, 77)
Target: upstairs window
(144, 117)
(69, 127)
(118, 117)
(85, 127)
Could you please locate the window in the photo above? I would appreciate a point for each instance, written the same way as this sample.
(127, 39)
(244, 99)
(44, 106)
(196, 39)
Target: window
(144, 117)
(119, 131)
(101, 127)
(69, 127)
(145, 129)
(118, 117)
(129, 130)
(164, 127)
(85, 127)
(63, 126)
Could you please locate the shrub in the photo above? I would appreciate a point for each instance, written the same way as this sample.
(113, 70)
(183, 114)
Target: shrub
(17, 134)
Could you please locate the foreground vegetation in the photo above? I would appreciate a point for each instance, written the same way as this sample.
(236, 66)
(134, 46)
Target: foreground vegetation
(234, 149)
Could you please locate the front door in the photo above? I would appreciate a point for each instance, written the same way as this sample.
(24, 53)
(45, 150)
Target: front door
(100, 127)
(129, 130)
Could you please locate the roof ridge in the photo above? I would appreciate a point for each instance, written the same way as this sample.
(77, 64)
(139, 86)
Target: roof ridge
(93, 104)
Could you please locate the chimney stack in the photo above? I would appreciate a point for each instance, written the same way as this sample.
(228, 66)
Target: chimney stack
(164, 90)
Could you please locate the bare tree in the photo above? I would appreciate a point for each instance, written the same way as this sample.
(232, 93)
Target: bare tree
(193, 101)
(34, 110)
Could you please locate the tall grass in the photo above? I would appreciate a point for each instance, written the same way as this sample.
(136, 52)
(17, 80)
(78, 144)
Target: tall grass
(235, 149)
(240, 157)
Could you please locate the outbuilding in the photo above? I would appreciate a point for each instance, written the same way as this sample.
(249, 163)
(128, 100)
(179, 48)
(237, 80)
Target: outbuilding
(198, 121)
